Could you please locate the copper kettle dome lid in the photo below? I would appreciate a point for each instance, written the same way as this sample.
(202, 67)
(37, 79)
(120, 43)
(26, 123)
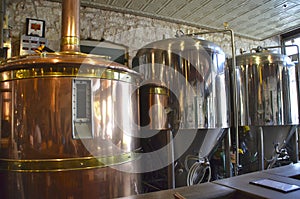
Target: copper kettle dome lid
(65, 64)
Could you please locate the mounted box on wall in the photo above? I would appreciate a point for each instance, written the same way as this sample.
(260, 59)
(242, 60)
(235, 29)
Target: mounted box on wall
(28, 44)
(35, 27)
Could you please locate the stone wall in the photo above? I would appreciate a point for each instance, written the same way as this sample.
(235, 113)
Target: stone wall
(126, 29)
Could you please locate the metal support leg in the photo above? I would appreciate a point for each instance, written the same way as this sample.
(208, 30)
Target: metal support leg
(261, 156)
(227, 143)
(295, 150)
(297, 146)
(171, 167)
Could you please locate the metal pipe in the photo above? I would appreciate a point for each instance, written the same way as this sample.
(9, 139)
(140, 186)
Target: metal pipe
(294, 146)
(289, 136)
(296, 142)
(261, 149)
(2, 5)
(171, 182)
(227, 143)
(236, 103)
(70, 35)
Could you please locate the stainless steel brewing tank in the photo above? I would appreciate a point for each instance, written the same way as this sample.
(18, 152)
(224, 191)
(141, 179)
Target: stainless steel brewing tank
(196, 104)
(194, 71)
(267, 89)
(268, 98)
(68, 121)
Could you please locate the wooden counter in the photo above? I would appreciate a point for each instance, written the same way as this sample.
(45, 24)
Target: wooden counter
(236, 187)
(205, 190)
(286, 171)
(241, 184)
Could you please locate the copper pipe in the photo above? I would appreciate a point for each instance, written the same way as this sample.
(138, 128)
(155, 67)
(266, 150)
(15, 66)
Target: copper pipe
(70, 35)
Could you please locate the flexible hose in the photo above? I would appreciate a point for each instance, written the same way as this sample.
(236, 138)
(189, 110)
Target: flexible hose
(196, 173)
(187, 158)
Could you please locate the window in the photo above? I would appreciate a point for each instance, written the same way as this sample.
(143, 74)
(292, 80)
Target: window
(292, 38)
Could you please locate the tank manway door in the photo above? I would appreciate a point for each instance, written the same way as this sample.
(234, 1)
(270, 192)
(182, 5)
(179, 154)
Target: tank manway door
(82, 126)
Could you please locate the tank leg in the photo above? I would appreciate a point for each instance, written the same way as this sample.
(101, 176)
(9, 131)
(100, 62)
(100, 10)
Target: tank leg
(227, 143)
(261, 161)
(294, 144)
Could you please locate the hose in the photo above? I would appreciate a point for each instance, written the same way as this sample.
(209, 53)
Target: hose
(197, 173)
(187, 158)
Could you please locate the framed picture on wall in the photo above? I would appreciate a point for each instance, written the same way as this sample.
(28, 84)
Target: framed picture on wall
(35, 27)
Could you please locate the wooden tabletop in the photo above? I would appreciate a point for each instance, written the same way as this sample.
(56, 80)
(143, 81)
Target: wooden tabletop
(203, 191)
(286, 171)
(235, 188)
(243, 187)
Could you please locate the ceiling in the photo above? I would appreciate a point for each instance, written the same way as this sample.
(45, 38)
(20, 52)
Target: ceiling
(255, 19)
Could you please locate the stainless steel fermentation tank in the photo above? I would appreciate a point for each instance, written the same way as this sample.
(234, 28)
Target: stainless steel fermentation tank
(195, 104)
(68, 121)
(268, 107)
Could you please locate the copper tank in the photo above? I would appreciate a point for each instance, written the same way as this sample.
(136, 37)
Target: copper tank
(68, 121)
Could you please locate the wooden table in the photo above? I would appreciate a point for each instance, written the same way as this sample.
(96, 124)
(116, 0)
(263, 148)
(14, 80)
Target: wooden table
(234, 188)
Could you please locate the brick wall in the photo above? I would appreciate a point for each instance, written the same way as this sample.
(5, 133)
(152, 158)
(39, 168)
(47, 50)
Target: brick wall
(126, 29)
